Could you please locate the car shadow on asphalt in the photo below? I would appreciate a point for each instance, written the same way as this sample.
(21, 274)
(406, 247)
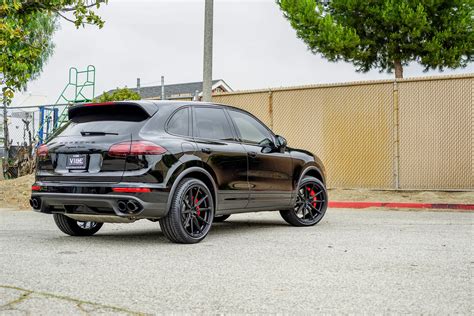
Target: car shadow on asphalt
(134, 235)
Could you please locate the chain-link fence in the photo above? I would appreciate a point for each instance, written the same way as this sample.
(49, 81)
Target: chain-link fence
(405, 134)
(28, 126)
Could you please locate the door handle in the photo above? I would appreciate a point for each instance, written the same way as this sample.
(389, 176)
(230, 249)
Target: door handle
(252, 154)
(206, 150)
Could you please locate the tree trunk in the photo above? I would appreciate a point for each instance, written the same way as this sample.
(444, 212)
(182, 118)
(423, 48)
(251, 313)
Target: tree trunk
(398, 69)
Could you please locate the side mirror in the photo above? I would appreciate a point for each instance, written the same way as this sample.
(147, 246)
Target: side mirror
(281, 142)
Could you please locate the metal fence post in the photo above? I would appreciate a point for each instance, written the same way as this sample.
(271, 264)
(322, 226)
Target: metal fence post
(6, 138)
(138, 87)
(41, 125)
(163, 88)
(270, 107)
(55, 118)
(396, 137)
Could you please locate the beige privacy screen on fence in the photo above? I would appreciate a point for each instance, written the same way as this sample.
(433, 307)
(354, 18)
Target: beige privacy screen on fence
(354, 128)
(436, 134)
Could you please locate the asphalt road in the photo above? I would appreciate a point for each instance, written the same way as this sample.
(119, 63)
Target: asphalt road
(352, 262)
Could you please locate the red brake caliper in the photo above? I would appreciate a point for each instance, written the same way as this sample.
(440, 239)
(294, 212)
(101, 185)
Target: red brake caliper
(197, 207)
(313, 194)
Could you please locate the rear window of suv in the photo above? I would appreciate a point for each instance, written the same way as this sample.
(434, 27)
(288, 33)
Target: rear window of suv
(115, 118)
(108, 112)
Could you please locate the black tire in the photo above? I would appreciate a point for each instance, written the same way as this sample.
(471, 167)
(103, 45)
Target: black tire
(72, 227)
(190, 216)
(311, 204)
(220, 218)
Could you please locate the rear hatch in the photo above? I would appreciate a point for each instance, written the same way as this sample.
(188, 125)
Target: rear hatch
(81, 150)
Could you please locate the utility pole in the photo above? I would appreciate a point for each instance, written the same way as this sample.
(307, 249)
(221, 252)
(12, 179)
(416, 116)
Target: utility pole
(207, 69)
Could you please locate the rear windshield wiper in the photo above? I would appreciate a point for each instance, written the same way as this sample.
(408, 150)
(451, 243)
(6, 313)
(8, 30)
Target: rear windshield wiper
(84, 133)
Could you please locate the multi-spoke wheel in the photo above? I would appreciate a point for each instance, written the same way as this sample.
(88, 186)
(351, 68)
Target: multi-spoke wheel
(311, 203)
(76, 228)
(191, 213)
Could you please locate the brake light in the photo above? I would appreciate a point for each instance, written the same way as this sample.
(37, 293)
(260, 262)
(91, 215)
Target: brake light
(135, 148)
(42, 151)
(35, 188)
(131, 190)
(99, 104)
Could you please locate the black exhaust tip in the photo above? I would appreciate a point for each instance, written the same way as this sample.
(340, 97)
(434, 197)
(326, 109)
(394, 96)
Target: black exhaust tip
(35, 203)
(132, 206)
(122, 206)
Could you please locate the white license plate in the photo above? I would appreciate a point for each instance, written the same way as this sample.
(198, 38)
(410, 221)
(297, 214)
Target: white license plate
(76, 162)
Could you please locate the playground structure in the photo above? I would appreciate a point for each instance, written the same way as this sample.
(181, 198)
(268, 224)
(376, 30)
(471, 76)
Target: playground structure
(18, 158)
(80, 88)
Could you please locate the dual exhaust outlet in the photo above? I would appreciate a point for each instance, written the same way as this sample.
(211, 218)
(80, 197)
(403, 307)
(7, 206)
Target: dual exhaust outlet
(124, 206)
(35, 203)
(129, 207)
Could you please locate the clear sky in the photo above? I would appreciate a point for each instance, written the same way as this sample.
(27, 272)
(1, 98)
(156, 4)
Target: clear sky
(254, 47)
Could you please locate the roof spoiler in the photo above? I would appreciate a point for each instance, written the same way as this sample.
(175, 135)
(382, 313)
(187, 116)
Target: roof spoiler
(147, 109)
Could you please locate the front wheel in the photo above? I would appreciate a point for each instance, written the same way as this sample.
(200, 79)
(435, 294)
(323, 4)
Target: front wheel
(191, 213)
(76, 228)
(311, 204)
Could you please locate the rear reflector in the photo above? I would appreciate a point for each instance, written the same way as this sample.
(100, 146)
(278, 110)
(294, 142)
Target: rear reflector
(131, 190)
(35, 188)
(42, 151)
(135, 148)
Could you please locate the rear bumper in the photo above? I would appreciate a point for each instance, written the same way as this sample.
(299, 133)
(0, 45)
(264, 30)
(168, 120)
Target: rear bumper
(153, 204)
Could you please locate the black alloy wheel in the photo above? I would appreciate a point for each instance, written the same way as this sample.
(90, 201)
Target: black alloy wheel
(191, 214)
(311, 203)
(195, 211)
(76, 228)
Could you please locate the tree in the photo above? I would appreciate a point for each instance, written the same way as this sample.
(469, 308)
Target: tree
(386, 34)
(26, 28)
(118, 95)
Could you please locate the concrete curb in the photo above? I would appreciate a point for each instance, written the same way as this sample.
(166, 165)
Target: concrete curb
(454, 207)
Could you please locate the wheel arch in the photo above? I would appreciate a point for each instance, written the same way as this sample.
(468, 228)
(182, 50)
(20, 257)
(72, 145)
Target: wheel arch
(312, 171)
(197, 172)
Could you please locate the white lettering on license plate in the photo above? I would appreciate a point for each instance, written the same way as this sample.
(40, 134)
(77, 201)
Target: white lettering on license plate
(76, 161)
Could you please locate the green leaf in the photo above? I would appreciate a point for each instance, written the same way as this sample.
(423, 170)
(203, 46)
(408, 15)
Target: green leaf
(372, 34)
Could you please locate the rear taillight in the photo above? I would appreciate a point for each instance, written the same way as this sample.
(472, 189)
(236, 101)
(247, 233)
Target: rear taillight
(42, 151)
(35, 188)
(135, 148)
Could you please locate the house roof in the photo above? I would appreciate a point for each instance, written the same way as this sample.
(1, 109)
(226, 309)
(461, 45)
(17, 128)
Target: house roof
(176, 90)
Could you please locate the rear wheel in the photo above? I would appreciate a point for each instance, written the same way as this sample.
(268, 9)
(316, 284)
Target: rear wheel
(221, 218)
(76, 228)
(191, 213)
(311, 204)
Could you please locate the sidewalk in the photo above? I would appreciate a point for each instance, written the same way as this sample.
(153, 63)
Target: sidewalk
(16, 193)
(365, 195)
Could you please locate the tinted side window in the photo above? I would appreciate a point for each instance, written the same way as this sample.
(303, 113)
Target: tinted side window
(179, 123)
(251, 130)
(211, 123)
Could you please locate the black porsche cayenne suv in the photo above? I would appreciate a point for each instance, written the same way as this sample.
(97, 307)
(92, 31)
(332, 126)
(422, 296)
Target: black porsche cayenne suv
(184, 164)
